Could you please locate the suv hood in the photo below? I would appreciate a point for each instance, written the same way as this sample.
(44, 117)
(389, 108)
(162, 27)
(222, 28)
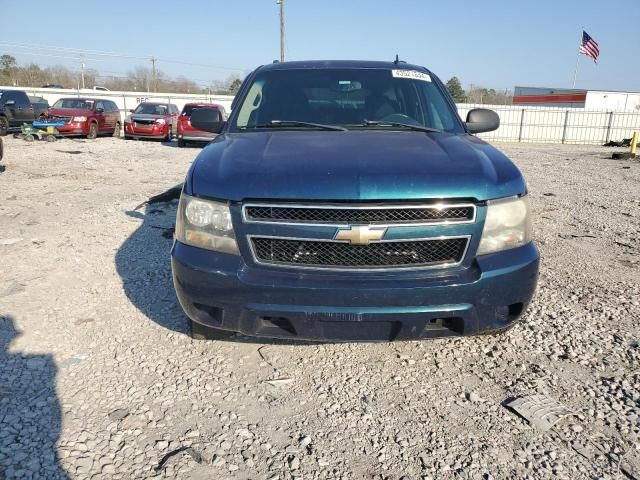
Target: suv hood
(352, 165)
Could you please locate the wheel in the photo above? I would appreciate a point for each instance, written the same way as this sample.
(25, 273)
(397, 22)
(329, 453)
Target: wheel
(168, 137)
(4, 126)
(50, 138)
(181, 143)
(116, 131)
(93, 131)
(29, 138)
(201, 332)
(127, 137)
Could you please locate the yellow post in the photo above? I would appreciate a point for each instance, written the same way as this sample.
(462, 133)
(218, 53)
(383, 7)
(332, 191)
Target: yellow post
(634, 144)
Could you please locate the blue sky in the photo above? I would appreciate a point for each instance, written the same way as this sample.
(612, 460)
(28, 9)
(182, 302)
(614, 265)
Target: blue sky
(495, 44)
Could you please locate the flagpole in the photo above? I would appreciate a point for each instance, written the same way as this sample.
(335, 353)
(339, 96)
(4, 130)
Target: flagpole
(575, 72)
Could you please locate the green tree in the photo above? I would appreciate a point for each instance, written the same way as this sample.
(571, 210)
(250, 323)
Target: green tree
(455, 89)
(7, 62)
(8, 67)
(234, 86)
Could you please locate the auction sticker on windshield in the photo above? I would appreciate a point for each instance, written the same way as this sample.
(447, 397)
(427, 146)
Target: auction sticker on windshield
(412, 74)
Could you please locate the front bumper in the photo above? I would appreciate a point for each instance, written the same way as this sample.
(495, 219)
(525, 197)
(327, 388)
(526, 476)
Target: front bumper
(74, 128)
(155, 131)
(221, 291)
(195, 136)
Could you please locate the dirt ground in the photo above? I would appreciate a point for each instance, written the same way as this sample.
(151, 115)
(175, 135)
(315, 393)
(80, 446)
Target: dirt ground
(99, 380)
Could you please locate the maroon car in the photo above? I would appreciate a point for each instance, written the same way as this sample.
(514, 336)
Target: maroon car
(186, 133)
(152, 120)
(87, 117)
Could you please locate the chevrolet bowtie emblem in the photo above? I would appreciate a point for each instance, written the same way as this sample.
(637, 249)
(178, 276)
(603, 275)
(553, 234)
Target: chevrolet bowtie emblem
(360, 235)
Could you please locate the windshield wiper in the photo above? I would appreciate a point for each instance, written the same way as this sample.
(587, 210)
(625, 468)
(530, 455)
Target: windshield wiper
(296, 123)
(417, 128)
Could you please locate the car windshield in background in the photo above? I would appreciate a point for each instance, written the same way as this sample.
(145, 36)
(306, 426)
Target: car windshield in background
(351, 98)
(74, 103)
(186, 111)
(151, 109)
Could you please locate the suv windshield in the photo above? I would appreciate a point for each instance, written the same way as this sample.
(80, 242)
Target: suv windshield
(151, 109)
(74, 103)
(351, 98)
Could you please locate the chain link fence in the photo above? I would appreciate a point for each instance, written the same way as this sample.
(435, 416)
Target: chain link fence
(552, 125)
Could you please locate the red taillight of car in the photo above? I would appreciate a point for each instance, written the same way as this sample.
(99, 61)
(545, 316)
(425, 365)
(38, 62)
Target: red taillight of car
(183, 122)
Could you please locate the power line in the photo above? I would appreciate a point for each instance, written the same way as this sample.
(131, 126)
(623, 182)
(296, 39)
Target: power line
(99, 53)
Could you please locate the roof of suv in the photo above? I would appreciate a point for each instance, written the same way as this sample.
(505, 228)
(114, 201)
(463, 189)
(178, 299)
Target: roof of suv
(310, 64)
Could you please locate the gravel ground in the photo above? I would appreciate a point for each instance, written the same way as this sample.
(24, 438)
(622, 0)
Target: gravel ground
(99, 380)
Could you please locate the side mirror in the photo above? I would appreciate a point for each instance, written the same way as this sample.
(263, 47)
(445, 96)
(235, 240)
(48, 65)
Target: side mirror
(99, 110)
(8, 103)
(482, 120)
(207, 119)
(131, 110)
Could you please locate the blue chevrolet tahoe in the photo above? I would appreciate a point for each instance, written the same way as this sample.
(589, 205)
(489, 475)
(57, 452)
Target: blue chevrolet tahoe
(347, 201)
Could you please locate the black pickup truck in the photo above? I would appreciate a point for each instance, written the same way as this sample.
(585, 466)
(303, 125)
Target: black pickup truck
(16, 109)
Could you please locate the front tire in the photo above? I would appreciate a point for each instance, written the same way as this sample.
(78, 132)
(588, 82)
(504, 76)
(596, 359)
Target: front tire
(202, 332)
(4, 126)
(93, 131)
(181, 143)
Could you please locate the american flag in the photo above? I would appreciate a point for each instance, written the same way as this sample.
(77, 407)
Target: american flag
(589, 47)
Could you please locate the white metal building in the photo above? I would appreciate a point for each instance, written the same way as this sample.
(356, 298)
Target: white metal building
(571, 98)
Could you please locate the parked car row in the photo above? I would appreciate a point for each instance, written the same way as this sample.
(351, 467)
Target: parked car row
(90, 117)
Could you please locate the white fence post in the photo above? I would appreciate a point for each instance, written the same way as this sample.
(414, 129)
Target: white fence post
(608, 138)
(521, 125)
(564, 129)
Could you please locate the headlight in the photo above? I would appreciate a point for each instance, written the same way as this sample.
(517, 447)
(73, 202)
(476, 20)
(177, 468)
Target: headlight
(161, 121)
(507, 225)
(205, 224)
(80, 119)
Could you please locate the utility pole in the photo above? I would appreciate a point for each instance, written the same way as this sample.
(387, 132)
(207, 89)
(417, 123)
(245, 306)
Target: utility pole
(153, 73)
(281, 3)
(82, 74)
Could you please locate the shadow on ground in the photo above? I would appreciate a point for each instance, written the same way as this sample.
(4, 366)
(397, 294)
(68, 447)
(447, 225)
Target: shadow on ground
(30, 416)
(144, 264)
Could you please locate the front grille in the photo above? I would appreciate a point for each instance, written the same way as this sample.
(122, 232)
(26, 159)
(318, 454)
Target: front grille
(143, 125)
(330, 254)
(58, 118)
(421, 214)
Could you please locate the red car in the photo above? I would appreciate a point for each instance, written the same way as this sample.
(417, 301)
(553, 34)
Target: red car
(186, 133)
(152, 120)
(88, 117)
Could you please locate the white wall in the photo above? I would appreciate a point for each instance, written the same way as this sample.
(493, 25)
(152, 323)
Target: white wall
(126, 100)
(613, 101)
